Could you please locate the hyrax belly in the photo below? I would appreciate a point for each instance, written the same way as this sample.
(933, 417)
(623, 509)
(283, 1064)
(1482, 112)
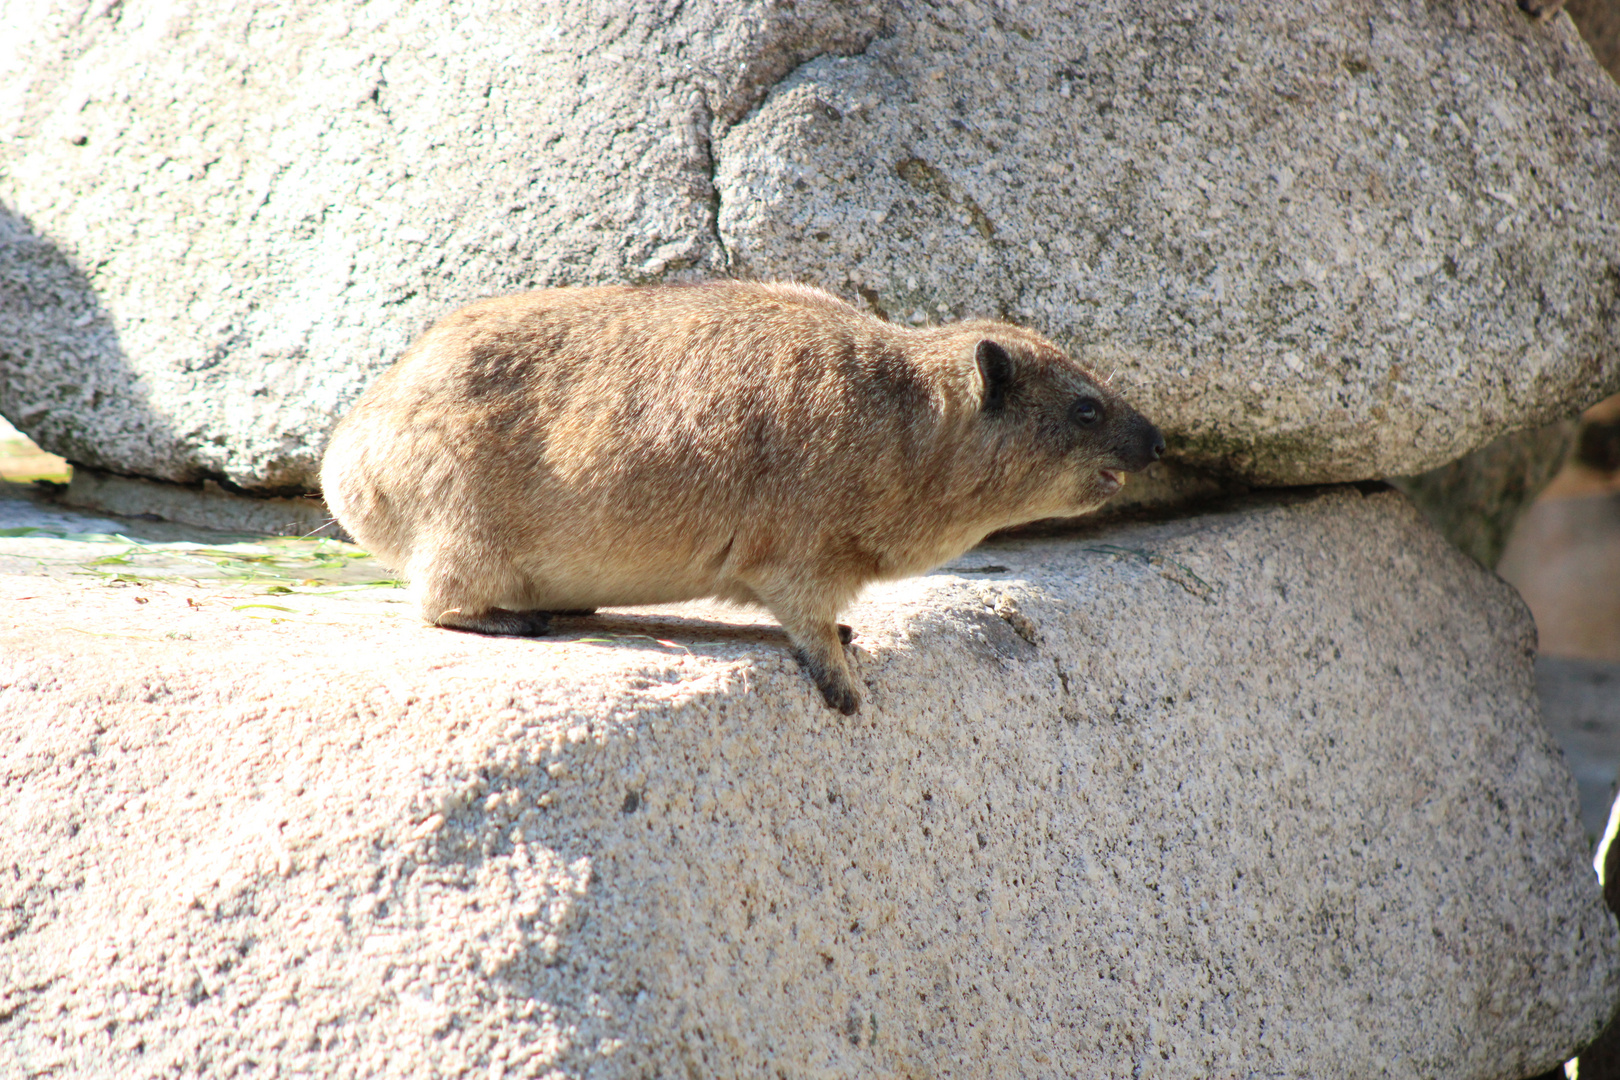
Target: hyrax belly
(580, 448)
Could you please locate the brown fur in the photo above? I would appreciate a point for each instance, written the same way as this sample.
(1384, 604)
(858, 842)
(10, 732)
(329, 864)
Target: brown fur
(761, 443)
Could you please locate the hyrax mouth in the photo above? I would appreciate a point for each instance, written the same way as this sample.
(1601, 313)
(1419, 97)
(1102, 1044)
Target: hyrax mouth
(1109, 481)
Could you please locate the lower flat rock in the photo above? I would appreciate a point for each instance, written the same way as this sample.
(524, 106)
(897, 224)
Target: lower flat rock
(1262, 792)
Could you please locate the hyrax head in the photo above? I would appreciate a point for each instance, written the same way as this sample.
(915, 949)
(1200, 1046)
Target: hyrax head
(1058, 435)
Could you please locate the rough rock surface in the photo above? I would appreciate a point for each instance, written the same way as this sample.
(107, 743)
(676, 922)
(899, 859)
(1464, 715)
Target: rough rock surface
(1323, 241)
(1257, 793)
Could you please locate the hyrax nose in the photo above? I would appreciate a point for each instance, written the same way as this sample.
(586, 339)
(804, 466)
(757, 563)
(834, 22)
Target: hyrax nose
(1141, 446)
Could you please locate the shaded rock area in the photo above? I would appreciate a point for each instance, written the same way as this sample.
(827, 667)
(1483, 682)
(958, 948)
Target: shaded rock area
(1315, 242)
(1261, 791)
(1477, 500)
(204, 504)
(1580, 703)
(1599, 23)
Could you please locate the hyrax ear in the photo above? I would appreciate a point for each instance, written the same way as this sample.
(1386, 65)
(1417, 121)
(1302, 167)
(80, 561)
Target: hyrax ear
(996, 370)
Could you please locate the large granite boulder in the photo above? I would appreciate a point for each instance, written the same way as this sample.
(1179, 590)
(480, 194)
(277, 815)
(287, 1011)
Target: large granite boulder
(1257, 793)
(261, 203)
(1315, 242)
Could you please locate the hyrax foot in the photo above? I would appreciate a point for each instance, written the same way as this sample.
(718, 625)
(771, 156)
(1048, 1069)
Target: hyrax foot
(497, 621)
(846, 633)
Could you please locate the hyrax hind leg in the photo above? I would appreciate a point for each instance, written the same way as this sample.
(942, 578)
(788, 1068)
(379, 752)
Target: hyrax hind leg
(495, 621)
(462, 594)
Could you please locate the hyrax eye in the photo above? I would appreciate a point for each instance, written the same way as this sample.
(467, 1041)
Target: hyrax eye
(1086, 412)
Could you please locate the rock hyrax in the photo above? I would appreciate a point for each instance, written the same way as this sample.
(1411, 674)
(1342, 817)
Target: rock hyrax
(765, 444)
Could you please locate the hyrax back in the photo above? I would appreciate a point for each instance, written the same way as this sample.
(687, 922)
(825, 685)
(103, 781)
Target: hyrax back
(761, 443)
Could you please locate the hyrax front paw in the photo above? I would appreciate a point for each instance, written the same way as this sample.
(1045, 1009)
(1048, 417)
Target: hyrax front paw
(825, 663)
(818, 641)
(838, 690)
(839, 693)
